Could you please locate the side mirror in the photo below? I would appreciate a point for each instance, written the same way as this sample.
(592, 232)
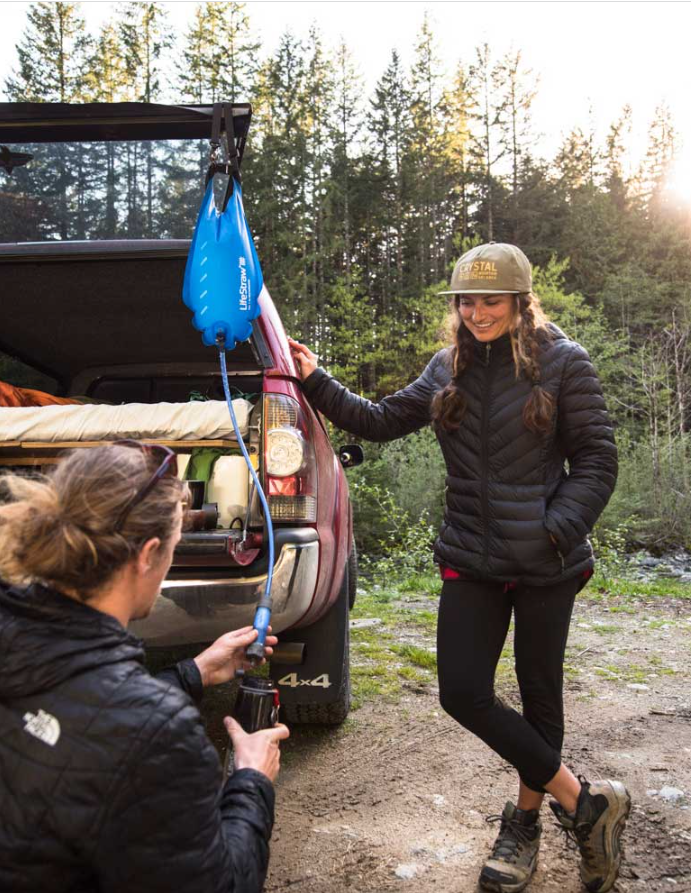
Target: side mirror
(350, 455)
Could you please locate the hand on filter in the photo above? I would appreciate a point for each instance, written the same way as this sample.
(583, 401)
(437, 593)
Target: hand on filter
(303, 356)
(221, 660)
(258, 751)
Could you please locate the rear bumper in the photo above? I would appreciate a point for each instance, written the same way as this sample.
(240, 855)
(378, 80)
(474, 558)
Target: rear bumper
(203, 607)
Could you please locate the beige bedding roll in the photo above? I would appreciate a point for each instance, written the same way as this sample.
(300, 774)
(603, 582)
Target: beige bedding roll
(198, 420)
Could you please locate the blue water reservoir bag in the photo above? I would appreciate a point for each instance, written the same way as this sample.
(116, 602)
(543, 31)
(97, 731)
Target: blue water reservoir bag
(223, 279)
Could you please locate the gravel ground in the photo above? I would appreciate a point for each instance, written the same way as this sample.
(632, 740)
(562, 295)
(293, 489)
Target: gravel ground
(397, 798)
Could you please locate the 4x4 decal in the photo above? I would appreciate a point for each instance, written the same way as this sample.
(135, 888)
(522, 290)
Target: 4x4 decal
(292, 680)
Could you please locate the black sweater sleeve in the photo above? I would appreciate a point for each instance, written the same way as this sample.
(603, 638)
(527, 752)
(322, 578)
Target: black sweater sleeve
(585, 432)
(395, 416)
(184, 675)
(169, 826)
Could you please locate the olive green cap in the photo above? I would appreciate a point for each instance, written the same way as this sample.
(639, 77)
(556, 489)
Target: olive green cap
(496, 268)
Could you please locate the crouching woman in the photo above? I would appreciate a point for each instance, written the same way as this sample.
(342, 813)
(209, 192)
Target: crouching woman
(108, 781)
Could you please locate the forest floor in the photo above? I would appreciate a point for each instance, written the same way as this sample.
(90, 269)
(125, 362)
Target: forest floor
(397, 798)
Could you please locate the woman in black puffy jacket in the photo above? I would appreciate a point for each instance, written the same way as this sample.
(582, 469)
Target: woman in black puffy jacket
(511, 402)
(108, 782)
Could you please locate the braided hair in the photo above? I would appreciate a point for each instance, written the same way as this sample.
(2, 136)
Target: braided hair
(529, 333)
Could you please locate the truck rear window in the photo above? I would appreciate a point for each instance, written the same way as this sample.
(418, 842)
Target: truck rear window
(105, 190)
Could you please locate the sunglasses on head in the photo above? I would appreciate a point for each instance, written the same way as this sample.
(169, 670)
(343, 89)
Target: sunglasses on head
(167, 464)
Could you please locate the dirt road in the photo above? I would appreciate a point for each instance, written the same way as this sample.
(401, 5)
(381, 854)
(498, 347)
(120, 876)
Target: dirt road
(397, 799)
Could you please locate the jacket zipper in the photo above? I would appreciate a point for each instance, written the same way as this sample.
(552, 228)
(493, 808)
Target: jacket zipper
(484, 446)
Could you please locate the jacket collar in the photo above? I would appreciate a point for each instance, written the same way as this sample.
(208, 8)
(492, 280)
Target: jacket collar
(487, 351)
(47, 637)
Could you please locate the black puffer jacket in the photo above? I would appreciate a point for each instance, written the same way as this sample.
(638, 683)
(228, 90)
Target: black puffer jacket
(507, 489)
(108, 782)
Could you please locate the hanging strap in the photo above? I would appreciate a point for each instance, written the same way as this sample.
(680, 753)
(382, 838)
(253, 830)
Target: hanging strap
(233, 156)
(223, 113)
(215, 140)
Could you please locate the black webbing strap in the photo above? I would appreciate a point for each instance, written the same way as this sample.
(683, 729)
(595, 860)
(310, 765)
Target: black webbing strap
(223, 114)
(216, 125)
(233, 157)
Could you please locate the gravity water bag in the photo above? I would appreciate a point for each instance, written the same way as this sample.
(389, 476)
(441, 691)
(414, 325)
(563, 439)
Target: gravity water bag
(223, 279)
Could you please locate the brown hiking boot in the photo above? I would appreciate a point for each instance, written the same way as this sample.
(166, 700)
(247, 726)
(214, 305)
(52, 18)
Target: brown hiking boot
(596, 827)
(514, 854)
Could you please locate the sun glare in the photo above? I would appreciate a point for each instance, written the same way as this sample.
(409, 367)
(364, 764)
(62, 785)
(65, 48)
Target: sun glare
(679, 179)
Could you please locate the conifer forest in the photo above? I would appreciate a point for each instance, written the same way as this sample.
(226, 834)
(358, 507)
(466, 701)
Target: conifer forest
(361, 201)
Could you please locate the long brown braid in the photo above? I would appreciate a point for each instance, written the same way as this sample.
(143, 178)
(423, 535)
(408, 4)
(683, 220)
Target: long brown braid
(529, 332)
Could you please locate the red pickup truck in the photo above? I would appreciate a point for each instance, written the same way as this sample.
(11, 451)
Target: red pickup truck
(103, 319)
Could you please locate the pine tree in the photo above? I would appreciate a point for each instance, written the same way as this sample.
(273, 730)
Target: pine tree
(276, 187)
(53, 58)
(145, 37)
(390, 127)
(347, 102)
(219, 55)
(458, 108)
(426, 157)
(519, 89)
(658, 161)
(318, 99)
(617, 169)
(107, 82)
(241, 51)
(489, 116)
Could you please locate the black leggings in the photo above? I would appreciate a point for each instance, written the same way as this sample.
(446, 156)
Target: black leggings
(473, 623)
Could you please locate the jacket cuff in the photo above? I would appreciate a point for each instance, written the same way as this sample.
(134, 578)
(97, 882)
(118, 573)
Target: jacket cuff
(186, 676)
(245, 780)
(312, 382)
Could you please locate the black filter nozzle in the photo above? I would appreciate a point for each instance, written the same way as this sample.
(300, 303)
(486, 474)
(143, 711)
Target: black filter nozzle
(256, 652)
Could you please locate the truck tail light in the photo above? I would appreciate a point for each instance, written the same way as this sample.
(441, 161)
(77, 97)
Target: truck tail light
(290, 467)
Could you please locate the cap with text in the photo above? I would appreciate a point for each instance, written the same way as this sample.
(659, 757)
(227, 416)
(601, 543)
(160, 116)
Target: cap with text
(496, 268)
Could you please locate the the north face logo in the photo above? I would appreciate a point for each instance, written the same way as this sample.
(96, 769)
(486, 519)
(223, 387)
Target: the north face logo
(43, 726)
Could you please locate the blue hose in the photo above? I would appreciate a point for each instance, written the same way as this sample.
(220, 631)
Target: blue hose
(262, 616)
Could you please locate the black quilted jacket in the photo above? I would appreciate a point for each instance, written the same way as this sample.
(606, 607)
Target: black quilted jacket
(108, 782)
(507, 489)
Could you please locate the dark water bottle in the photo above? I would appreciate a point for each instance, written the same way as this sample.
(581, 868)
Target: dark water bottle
(256, 707)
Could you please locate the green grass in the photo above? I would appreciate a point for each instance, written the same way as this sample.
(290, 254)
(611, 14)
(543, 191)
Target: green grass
(420, 657)
(428, 583)
(605, 629)
(383, 667)
(615, 587)
(629, 673)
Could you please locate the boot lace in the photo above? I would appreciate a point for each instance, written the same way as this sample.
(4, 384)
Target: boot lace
(578, 838)
(511, 839)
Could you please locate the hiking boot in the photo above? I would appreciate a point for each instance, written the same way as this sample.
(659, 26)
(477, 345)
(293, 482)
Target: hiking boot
(514, 854)
(596, 827)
